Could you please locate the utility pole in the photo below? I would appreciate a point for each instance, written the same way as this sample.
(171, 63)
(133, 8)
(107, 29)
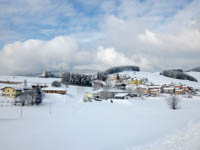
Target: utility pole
(66, 98)
(21, 111)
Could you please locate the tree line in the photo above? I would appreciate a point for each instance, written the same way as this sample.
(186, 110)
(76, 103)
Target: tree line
(76, 79)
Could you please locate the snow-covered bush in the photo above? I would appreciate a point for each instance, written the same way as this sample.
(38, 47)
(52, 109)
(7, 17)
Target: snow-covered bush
(56, 84)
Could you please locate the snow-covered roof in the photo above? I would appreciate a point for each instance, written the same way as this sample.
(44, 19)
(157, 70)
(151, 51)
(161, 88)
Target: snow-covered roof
(99, 81)
(179, 90)
(136, 78)
(154, 90)
(121, 94)
(120, 84)
(154, 86)
(142, 86)
(184, 86)
(14, 87)
(108, 90)
(168, 88)
(53, 89)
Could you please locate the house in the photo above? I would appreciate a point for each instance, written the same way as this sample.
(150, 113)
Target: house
(106, 94)
(10, 82)
(143, 89)
(122, 96)
(185, 88)
(88, 97)
(136, 81)
(54, 90)
(169, 90)
(178, 86)
(179, 91)
(43, 85)
(121, 86)
(11, 91)
(97, 84)
(112, 78)
(154, 90)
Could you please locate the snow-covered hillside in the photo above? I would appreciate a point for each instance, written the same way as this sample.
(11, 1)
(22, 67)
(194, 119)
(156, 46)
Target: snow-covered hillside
(156, 78)
(66, 122)
(195, 75)
(28, 79)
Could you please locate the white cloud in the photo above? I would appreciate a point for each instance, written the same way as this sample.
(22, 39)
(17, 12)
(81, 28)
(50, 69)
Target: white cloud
(150, 37)
(36, 55)
(110, 57)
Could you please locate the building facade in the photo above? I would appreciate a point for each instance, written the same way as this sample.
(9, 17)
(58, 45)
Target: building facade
(11, 92)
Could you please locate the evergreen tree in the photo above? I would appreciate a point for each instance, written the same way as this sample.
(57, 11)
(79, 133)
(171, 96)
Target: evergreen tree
(37, 95)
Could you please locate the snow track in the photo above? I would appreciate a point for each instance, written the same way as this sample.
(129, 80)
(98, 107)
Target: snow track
(188, 140)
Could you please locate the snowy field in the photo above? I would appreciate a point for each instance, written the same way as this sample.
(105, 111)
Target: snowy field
(67, 123)
(29, 80)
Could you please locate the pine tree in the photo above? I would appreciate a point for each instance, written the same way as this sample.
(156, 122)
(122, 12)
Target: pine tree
(37, 95)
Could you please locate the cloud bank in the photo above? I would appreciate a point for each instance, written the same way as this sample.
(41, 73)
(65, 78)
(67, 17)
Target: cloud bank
(99, 34)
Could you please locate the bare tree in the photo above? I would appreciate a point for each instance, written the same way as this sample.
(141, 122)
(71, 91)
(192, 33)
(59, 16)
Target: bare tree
(139, 92)
(131, 90)
(107, 86)
(65, 78)
(173, 101)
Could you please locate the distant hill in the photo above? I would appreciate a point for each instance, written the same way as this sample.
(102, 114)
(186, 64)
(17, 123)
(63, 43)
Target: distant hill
(178, 74)
(118, 69)
(197, 69)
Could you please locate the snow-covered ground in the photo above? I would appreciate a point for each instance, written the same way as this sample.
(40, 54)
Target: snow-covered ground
(195, 75)
(66, 122)
(28, 79)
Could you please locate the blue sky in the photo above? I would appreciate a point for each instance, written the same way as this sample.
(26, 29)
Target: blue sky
(103, 23)
(44, 20)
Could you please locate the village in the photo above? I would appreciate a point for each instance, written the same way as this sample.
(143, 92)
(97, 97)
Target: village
(118, 86)
(28, 93)
(125, 87)
(125, 103)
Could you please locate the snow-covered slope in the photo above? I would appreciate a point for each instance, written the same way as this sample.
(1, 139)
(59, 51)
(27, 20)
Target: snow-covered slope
(66, 122)
(28, 79)
(156, 78)
(187, 140)
(195, 75)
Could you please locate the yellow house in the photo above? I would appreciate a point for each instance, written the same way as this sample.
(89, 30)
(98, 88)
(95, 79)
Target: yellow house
(136, 82)
(11, 91)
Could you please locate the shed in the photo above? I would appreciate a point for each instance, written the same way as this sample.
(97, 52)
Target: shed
(54, 90)
(122, 96)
